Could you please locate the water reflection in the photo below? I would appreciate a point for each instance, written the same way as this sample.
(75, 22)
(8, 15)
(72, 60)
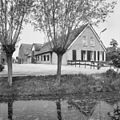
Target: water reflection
(57, 109)
(58, 106)
(10, 109)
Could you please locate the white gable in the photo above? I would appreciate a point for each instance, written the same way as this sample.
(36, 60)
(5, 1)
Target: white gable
(87, 37)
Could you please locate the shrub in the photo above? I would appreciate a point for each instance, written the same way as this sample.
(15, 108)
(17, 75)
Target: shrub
(1, 67)
(111, 73)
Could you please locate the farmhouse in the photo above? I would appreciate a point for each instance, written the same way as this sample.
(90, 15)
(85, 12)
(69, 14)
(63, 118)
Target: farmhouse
(84, 45)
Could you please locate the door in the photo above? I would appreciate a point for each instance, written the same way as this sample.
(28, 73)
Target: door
(89, 53)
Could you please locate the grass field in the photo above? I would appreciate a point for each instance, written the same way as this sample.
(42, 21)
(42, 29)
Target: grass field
(70, 84)
(48, 69)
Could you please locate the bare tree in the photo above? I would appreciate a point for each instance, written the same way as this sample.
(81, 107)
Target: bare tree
(59, 19)
(12, 14)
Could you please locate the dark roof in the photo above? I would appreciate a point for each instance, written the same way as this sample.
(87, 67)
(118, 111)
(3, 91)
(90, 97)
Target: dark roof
(26, 48)
(47, 46)
(75, 33)
(37, 46)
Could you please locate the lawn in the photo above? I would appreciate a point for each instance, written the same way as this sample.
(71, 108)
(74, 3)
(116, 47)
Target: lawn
(49, 69)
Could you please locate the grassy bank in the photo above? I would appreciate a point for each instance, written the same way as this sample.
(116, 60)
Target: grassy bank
(45, 85)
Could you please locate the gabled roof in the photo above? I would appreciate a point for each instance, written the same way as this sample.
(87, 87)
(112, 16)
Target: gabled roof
(26, 48)
(37, 46)
(73, 37)
(82, 30)
(75, 33)
(98, 38)
(45, 48)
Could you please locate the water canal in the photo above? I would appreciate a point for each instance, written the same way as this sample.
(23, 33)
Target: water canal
(55, 108)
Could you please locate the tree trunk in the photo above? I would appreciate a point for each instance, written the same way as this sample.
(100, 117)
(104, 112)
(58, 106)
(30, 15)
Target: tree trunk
(9, 64)
(59, 64)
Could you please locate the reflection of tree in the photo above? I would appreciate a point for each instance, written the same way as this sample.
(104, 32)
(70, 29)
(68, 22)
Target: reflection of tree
(10, 109)
(10, 104)
(58, 105)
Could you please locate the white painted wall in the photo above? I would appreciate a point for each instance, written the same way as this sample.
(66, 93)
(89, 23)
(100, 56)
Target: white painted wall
(79, 44)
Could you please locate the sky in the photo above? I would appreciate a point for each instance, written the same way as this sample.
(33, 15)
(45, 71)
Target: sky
(29, 35)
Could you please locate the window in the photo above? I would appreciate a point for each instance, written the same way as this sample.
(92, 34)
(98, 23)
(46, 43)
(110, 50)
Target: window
(44, 57)
(74, 54)
(92, 41)
(98, 55)
(89, 55)
(94, 55)
(83, 55)
(38, 57)
(84, 41)
(103, 56)
(47, 57)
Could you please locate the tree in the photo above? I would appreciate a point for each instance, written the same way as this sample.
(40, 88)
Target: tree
(113, 54)
(112, 51)
(114, 43)
(59, 19)
(116, 59)
(12, 15)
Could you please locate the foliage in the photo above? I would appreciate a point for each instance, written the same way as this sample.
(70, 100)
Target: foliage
(116, 59)
(111, 73)
(44, 85)
(113, 54)
(12, 15)
(115, 115)
(59, 19)
(1, 67)
(113, 43)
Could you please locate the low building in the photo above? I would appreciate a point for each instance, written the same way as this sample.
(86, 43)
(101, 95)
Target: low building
(33, 57)
(24, 51)
(85, 45)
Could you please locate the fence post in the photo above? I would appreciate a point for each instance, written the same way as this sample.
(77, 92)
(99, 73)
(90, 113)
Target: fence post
(79, 63)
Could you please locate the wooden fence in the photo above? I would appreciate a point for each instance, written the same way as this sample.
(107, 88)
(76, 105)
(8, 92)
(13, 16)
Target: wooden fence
(92, 64)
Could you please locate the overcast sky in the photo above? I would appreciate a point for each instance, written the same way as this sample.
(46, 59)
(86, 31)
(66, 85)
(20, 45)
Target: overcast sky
(112, 24)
